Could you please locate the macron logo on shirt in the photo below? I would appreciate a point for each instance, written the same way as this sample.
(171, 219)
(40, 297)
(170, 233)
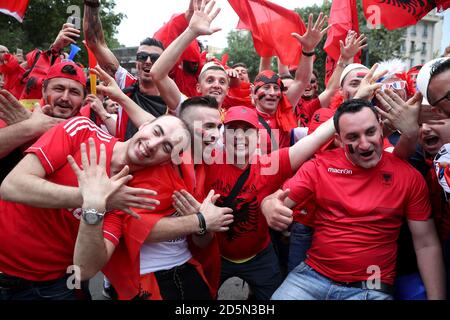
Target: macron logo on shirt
(340, 171)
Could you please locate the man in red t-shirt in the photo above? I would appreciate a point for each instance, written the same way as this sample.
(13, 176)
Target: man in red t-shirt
(245, 248)
(362, 194)
(63, 94)
(36, 266)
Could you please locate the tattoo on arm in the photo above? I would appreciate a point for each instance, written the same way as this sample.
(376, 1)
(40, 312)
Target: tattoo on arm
(94, 29)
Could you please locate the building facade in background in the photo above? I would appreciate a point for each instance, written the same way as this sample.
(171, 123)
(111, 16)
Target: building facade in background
(423, 41)
(127, 58)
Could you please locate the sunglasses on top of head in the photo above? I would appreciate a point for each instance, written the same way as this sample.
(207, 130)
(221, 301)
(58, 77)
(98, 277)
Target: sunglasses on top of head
(143, 56)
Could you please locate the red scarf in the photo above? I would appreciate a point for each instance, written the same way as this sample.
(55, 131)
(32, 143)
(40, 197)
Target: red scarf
(123, 269)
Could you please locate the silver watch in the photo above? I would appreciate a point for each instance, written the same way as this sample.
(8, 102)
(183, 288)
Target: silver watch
(92, 216)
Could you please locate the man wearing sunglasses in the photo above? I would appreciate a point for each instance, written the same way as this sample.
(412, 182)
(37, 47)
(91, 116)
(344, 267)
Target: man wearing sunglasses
(140, 89)
(433, 83)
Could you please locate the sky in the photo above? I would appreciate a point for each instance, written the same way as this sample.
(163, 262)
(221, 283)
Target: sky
(144, 17)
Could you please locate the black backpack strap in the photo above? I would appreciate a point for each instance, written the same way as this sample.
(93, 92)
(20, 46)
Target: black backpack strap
(228, 201)
(36, 58)
(269, 130)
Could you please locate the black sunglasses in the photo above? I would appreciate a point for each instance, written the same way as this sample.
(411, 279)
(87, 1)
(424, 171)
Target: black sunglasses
(447, 96)
(143, 56)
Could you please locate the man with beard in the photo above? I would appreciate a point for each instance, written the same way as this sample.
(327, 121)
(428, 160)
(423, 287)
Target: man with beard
(342, 183)
(63, 93)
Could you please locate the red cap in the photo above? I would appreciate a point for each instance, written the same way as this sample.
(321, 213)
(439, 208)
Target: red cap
(63, 70)
(242, 113)
(319, 117)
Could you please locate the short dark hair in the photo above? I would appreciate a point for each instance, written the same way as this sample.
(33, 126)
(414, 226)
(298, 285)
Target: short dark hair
(239, 64)
(439, 67)
(152, 42)
(351, 106)
(203, 101)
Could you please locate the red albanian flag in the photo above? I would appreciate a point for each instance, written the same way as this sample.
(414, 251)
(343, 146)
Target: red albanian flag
(15, 8)
(442, 5)
(271, 26)
(343, 17)
(394, 14)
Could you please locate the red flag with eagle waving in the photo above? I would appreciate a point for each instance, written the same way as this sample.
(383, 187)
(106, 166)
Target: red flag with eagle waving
(271, 26)
(15, 9)
(394, 14)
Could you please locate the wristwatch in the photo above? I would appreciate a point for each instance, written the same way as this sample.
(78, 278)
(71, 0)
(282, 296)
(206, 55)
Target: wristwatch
(92, 216)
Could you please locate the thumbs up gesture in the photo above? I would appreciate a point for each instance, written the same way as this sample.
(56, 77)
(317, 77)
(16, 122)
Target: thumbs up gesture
(277, 214)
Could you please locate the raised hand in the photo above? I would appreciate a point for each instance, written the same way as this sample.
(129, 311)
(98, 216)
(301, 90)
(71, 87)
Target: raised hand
(93, 181)
(217, 219)
(403, 115)
(368, 85)
(108, 87)
(311, 38)
(353, 44)
(278, 216)
(68, 35)
(96, 187)
(190, 11)
(11, 110)
(204, 13)
(97, 106)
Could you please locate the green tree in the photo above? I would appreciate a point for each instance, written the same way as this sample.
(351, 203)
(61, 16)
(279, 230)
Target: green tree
(43, 21)
(241, 49)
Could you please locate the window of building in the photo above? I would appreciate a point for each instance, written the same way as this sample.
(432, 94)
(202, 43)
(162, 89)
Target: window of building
(413, 30)
(412, 48)
(402, 47)
(424, 48)
(425, 30)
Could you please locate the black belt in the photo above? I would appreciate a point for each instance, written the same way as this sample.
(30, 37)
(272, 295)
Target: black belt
(16, 283)
(383, 287)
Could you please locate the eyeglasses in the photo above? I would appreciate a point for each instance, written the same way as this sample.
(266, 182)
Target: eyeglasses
(396, 85)
(143, 56)
(447, 96)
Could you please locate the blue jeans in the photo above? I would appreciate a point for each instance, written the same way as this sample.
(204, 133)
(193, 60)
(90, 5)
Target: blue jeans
(410, 287)
(303, 283)
(262, 273)
(57, 291)
(300, 242)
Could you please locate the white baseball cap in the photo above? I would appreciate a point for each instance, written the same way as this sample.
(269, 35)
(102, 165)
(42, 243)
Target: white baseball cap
(423, 78)
(350, 68)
